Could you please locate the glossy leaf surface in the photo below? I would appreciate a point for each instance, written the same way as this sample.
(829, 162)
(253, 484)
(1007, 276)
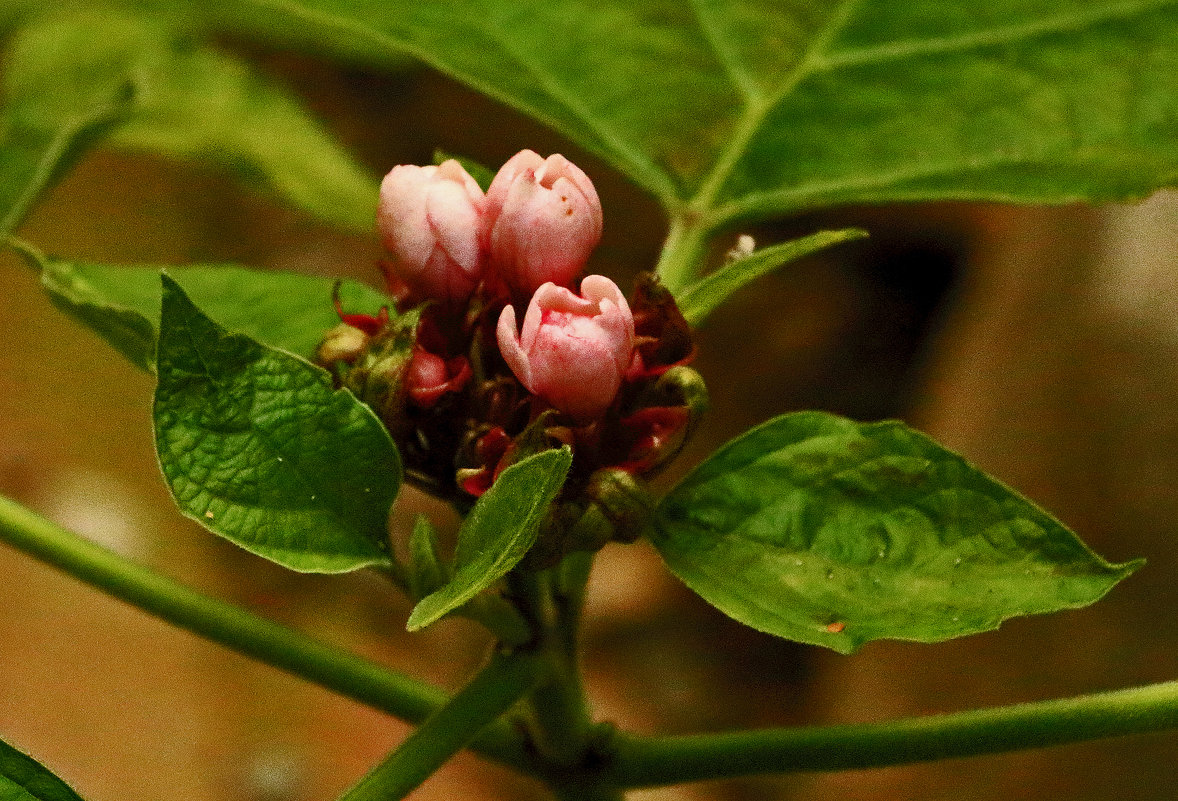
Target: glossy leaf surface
(826, 531)
(256, 446)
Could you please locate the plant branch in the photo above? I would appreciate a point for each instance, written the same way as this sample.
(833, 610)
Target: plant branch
(493, 691)
(653, 761)
(337, 670)
(685, 252)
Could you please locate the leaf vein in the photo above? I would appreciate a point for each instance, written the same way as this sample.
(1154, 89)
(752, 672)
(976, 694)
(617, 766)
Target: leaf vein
(810, 194)
(1000, 35)
(740, 77)
(755, 114)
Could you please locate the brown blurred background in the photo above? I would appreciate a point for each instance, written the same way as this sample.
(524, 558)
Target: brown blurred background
(1041, 343)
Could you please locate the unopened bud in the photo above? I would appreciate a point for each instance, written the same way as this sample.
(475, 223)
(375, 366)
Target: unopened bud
(623, 500)
(344, 343)
(544, 219)
(430, 220)
(572, 351)
(687, 387)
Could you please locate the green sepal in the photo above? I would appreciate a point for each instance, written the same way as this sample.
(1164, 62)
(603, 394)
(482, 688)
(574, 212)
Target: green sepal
(426, 572)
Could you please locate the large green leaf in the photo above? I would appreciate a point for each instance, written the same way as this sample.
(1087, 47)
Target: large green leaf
(256, 446)
(24, 779)
(122, 304)
(192, 102)
(498, 532)
(749, 108)
(825, 531)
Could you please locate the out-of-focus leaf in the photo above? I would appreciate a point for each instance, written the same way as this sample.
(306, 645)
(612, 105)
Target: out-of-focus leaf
(192, 101)
(35, 152)
(22, 778)
(122, 303)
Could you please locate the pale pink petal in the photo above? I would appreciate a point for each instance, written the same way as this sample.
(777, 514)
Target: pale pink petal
(509, 347)
(501, 183)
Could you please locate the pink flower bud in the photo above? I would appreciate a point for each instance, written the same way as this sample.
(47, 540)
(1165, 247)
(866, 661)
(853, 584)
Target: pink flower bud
(430, 220)
(573, 351)
(545, 220)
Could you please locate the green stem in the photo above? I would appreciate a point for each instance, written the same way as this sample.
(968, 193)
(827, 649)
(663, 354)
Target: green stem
(684, 253)
(493, 691)
(231, 626)
(647, 762)
(563, 731)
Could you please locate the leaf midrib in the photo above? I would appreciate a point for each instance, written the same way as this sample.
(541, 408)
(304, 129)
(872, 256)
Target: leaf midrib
(816, 60)
(755, 113)
(758, 101)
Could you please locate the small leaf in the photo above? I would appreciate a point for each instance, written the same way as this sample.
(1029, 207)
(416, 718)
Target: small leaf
(122, 304)
(22, 778)
(193, 102)
(826, 531)
(703, 297)
(498, 532)
(482, 175)
(257, 446)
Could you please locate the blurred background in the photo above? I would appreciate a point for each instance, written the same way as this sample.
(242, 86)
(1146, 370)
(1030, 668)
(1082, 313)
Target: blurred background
(1040, 343)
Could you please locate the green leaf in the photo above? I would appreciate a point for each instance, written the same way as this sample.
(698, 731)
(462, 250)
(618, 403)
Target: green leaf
(35, 152)
(498, 532)
(257, 446)
(192, 102)
(826, 531)
(747, 108)
(703, 297)
(425, 570)
(24, 779)
(122, 304)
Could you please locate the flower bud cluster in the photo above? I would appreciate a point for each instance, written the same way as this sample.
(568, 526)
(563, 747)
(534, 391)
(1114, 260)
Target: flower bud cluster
(466, 389)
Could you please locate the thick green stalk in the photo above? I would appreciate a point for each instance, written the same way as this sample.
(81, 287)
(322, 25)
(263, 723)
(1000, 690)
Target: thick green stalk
(646, 762)
(246, 633)
(685, 252)
(563, 732)
(493, 691)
